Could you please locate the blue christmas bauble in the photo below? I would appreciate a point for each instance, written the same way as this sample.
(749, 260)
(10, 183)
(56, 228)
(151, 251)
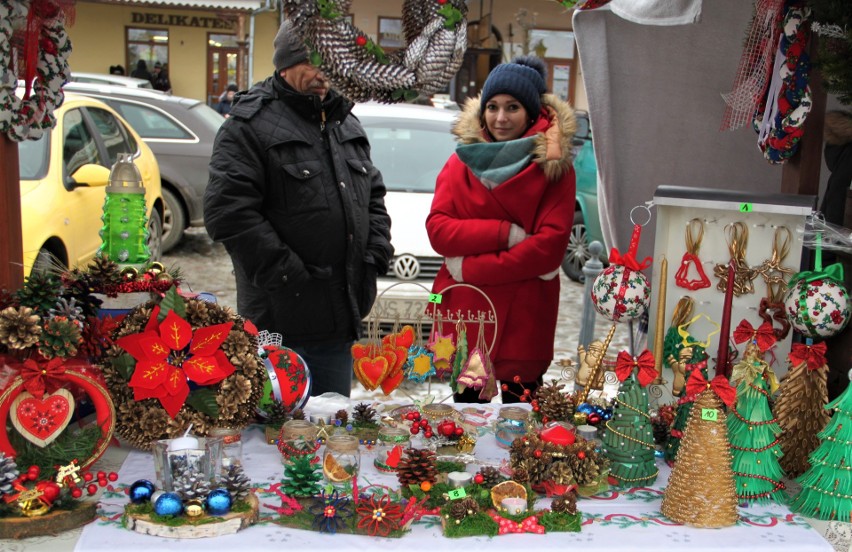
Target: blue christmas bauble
(218, 502)
(607, 414)
(141, 491)
(169, 504)
(584, 408)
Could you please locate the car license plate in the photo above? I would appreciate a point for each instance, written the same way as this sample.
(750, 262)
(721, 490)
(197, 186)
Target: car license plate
(405, 310)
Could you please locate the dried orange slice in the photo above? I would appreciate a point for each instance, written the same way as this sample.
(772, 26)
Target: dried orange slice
(333, 471)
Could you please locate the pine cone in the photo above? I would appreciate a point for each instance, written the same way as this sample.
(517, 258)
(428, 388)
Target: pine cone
(460, 509)
(19, 327)
(585, 471)
(491, 476)
(417, 466)
(533, 467)
(566, 504)
(104, 271)
(520, 475)
(7, 299)
(60, 338)
(364, 414)
(298, 414)
(192, 485)
(560, 473)
(554, 405)
(661, 431)
(301, 478)
(40, 292)
(276, 413)
(237, 482)
(8, 474)
(342, 415)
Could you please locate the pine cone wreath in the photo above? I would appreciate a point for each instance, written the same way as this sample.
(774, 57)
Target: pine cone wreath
(553, 403)
(342, 415)
(60, 338)
(417, 466)
(364, 414)
(565, 504)
(490, 476)
(19, 327)
(8, 474)
(192, 485)
(237, 482)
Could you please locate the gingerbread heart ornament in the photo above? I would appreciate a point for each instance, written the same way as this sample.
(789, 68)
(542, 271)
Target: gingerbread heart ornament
(41, 421)
(391, 382)
(371, 371)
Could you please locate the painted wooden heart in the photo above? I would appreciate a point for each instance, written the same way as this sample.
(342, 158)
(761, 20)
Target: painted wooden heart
(371, 371)
(391, 382)
(41, 421)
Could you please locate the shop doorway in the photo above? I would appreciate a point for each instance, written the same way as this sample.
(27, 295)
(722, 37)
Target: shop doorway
(223, 65)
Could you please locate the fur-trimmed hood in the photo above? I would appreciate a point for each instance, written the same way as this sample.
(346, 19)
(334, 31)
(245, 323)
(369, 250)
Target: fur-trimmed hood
(468, 130)
(838, 128)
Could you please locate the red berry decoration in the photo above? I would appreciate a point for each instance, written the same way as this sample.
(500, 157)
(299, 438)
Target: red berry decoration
(112, 476)
(88, 477)
(442, 2)
(414, 430)
(103, 482)
(516, 379)
(101, 474)
(478, 479)
(459, 431)
(428, 434)
(504, 387)
(76, 492)
(537, 453)
(581, 455)
(362, 40)
(92, 489)
(33, 472)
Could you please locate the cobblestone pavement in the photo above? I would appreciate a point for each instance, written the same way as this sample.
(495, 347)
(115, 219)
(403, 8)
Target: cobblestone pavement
(206, 266)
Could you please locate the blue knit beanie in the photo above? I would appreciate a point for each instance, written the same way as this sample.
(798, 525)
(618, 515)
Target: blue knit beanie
(524, 78)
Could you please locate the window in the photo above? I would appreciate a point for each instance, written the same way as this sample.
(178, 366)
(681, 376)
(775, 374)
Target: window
(390, 33)
(148, 45)
(78, 145)
(115, 136)
(149, 122)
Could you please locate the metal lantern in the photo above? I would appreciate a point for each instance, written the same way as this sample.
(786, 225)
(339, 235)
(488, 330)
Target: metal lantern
(125, 229)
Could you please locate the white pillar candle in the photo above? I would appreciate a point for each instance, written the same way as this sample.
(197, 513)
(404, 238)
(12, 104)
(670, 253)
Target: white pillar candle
(458, 480)
(514, 505)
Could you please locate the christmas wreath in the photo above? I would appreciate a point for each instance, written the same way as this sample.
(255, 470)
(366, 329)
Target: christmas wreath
(435, 33)
(46, 51)
(180, 362)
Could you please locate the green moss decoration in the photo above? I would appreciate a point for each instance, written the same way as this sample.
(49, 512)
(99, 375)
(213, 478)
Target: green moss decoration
(444, 466)
(474, 525)
(147, 509)
(560, 522)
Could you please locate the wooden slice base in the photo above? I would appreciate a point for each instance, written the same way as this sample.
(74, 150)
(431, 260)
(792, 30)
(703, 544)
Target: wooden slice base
(51, 523)
(199, 528)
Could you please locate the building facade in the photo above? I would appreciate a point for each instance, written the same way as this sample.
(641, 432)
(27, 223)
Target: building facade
(206, 44)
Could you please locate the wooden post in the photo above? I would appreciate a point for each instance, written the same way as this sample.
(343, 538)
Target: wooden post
(11, 246)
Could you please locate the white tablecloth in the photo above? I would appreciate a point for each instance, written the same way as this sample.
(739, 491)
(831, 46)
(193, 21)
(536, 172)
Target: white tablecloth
(624, 520)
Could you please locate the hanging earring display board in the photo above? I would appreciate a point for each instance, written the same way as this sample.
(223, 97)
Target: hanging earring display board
(699, 233)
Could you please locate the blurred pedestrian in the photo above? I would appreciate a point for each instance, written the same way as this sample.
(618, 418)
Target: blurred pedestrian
(226, 102)
(141, 71)
(299, 206)
(160, 78)
(116, 69)
(501, 217)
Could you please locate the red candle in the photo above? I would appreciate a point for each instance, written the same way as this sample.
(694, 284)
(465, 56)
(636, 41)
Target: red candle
(725, 332)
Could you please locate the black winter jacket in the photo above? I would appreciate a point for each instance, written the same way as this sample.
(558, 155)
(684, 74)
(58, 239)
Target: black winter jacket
(300, 208)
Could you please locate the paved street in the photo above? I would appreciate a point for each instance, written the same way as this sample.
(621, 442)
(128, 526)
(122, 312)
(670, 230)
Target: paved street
(206, 267)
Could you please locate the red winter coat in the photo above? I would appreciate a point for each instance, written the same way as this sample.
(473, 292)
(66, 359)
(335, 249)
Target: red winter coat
(470, 221)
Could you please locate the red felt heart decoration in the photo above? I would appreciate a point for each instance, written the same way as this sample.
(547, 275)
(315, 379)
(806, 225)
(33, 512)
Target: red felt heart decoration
(41, 421)
(371, 371)
(392, 382)
(360, 350)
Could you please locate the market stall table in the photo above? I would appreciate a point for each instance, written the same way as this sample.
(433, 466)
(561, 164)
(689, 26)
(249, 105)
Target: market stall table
(629, 519)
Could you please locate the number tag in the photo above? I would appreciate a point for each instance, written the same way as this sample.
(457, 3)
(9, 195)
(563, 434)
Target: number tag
(435, 298)
(455, 494)
(710, 414)
(746, 208)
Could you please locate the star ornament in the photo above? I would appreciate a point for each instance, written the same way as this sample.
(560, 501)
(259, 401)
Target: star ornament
(442, 348)
(169, 353)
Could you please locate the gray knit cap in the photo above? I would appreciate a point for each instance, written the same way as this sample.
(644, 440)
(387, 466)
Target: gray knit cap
(524, 78)
(289, 48)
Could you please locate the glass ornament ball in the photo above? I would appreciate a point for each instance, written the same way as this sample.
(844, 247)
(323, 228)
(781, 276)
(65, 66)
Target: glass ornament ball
(218, 502)
(169, 504)
(141, 491)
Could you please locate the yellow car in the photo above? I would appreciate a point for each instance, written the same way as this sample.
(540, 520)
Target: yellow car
(63, 184)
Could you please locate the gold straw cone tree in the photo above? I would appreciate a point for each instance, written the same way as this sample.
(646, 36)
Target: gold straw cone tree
(701, 490)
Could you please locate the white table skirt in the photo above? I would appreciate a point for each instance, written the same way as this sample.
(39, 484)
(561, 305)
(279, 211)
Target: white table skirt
(628, 520)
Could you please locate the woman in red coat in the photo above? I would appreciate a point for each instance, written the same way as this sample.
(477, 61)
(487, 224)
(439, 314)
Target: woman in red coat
(501, 217)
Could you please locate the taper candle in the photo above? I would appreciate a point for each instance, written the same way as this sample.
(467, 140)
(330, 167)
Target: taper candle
(725, 332)
(660, 324)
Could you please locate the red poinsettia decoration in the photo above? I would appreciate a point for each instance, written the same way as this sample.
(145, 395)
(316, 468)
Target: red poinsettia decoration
(379, 516)
(168, 353)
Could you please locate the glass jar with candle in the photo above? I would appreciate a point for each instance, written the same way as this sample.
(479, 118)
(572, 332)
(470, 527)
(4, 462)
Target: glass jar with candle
(512, 422)
(297, 438)
(437, 412)
(232, 446)
(341, 459)
(391, 442)
(175, 457)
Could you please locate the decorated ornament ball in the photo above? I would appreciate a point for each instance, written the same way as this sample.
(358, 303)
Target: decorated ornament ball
(141, 491)
(288, 378)
(621, 293)
(817, 309)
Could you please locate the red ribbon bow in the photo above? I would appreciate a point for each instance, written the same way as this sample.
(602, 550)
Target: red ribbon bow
(814, 355)
(644, 362)
(764, 335)
(43, 378)
(507, 526)
(720, 385)
(629, 258)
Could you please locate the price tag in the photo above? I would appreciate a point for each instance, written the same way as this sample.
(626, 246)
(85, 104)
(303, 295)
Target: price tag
(746, 208)
(710, 414)
(435, 298)
(456, 494)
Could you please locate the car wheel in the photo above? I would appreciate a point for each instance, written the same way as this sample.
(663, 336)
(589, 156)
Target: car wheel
(578, 250)
(174, 219)
(155, 236)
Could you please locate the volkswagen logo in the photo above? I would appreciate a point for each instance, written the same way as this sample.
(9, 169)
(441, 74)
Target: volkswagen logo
(406, 267)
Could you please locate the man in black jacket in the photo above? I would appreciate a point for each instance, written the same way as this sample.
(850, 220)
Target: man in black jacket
(298, 204)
